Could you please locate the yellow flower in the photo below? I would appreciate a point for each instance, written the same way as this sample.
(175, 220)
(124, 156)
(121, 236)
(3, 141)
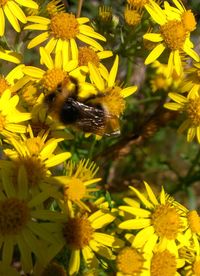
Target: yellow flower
(24, 223)
(138, 3)
(58, 70)
(159, 223)
(88, 54)
(105, 14)
(174, 41)
(14, 80)
(190, 107)
(10, 56)
(10, 117)
(191, 83)
(12, 10)
(62, 30)
(77, 181)
(82, 235)
(192, 258)
(114, 94)
(37, 156)
(55, 6)
(132, 16)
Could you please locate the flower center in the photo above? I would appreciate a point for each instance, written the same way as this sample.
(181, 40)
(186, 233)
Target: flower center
(193, 111)
(166, 221)
(75, 190)
(3, 82)
(189, 21)
(114, 101)
(130, 261)
(86, 55)
(52, 78)
(173, 39)
(132, 17)
(194, 221)
(78, 232)
(163, 263)
(138, 3)
(14, 214)
(64, 26)
(30, 93)
(36, 170)
(196, 267)
(2, 122)
(53, 269)
(3, 2)
(160, 82)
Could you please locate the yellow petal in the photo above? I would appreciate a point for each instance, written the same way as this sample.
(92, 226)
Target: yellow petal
(155, 53)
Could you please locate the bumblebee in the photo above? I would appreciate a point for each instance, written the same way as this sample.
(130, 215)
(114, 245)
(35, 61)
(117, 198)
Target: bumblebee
(89, 115)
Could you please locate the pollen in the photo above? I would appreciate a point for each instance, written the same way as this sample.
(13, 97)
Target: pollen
(130, 262)
(64, 26)
(52, 78)
(166, 221)
(174, 34)
(2, 122)
(3, 84)
(138, 3)
(194, 221)
(3, 2)
(196, 267)
(132, 17)
(75, 190)
(14, 215)
(193, 111)
(78, 232)
(163, 263)
(189, 21)
(86, 55)
(114, 101)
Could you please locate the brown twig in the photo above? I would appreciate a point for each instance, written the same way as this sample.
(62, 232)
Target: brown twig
(80, 4)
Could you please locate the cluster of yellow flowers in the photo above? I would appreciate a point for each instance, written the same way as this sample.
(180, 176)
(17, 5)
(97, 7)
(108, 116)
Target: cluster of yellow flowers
(50, 205)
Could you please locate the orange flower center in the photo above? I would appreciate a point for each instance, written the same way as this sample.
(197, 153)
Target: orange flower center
(130, 262)
(3, 2)
(3, 84)
(196, 267)
(75, 190)
(86, 55)
(138, 3)
(163, 263)
(78, 232)
(173, 39)
(14, 214)
(166, 221)
(52, 78)
(194, 221)
(64, 26)
(132, 17)
(193, 111)
(189, 21)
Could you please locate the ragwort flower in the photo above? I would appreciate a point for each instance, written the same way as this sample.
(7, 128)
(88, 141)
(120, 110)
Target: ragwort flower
(62, 30)
(190, 106)
(11, 9)
(77, 181)
(172, 36)
(82, 235)
(24, 223)
(159, 222)
(10, 117)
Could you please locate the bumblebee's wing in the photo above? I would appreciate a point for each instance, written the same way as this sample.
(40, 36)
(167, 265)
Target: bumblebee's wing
(96, 120)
